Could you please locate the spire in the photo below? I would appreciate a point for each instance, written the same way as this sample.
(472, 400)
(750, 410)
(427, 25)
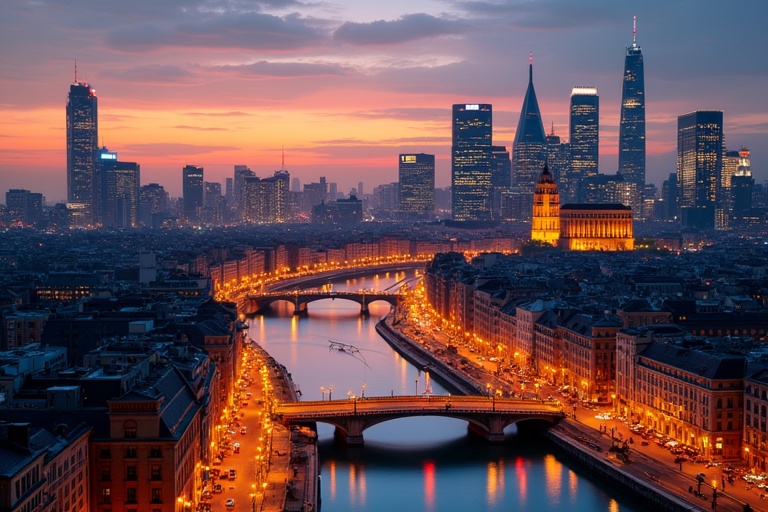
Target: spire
(634, 30)
(282, 159)
(75, 70)
(530, 68)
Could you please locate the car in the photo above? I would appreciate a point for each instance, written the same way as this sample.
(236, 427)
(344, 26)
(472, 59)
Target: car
(232, 474)
(243, 431)
(236, 447)
(230, 503)
(218, 489)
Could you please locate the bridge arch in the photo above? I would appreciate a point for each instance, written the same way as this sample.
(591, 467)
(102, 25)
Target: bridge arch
(485, 417)
(258, 304)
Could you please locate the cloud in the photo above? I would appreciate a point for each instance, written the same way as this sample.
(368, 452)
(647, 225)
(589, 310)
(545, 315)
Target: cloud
(250, 30)
(231, 113)
(413, 114)
(200, 128)
(266, 69)
(410, 27)
(175, 148)
(155, 74)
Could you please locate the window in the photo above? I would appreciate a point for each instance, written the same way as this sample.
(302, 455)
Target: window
(155, 472)
(130, 452)
(130, 495)
(155, 452)
(106, 495)
(157, 495)
(129, 429)
(131, 473)
(106, 474)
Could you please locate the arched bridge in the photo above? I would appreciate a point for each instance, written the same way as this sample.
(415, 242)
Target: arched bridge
(254, 304)
(487, 416)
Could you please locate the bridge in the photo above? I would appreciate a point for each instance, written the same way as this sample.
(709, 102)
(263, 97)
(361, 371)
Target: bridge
(487, 416)
(256, 304)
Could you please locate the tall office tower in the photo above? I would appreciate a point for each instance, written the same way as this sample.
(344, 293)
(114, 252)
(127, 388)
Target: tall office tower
(501, 179)
(558, 156)
(632, 123)
(82, 149)
(699, 165)
(333, 191)
(229, 192)
(669, 195)
(153, 205)
(241, 172)
(471, 162)
(545, 224)
(529, 149)
(119, 191)
(585, 135)
(192, 189)
(23, 206)
(417, 186)
(265, 200)
(742, 185)
(213, 204)
(295, 185)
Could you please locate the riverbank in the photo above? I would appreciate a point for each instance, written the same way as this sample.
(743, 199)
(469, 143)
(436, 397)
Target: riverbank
(582, 437)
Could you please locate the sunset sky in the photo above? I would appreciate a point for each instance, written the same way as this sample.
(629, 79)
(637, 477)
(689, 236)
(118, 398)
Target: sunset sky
(347, 85)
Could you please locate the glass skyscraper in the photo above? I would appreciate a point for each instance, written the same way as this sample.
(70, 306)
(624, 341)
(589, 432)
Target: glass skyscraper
(192, 190)
(632, 123)
(417, 186)
(585, 136)
(529, 149)
(471, 162)
(82, 148)
(699, 165)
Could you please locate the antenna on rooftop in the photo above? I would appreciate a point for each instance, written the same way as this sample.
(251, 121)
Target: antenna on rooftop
(634, 29)
(282, 159)
(75, 70)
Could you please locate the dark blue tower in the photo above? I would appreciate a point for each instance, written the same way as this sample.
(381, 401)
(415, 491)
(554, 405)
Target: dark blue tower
(632, 124)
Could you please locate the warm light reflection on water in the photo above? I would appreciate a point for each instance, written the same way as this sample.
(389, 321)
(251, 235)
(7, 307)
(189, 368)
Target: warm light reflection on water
(553, 474)
(357, 484)
(521, 478)
(495, 482)
(429, 485)
(332, 478)
(573, 485)
(613, 506)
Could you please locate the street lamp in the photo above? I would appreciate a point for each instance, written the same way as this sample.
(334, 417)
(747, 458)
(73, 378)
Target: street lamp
(322, 392)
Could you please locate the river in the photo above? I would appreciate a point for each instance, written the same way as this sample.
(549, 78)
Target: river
(428, 464)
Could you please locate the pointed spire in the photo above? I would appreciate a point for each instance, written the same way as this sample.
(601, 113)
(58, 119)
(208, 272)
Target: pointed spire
(634, 30)
(282, 160)
(553, 128)
(530, 68)
(75, 70)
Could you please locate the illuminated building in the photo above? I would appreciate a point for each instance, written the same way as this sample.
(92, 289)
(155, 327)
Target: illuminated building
(23, 206)
(264, 200)
(545, 225)
(213, 204)
(558, 156)
(611, 188)
(241, 172)
(742, 184)
(82, 147)
(585, 134)
(341, 212)
(119, 205)
(529, 149)
(632, 123)
(417, 186)
(192, 189)
(153, 205)
(699, 165)
(596, 227)
(471, 162)
(692, 396)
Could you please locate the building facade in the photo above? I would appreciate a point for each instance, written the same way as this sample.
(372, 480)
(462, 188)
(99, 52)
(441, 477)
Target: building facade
(585, 136)
(545, 225)
(192, 190)
(699, 166)
(596, 227)
(471, 162)
(82, 148)
(417, 186)
(632, 123)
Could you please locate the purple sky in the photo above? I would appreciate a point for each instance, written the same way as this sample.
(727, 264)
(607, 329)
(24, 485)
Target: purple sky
(345, 86)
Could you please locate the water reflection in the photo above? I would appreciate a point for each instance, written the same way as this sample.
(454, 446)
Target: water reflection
(424, 463)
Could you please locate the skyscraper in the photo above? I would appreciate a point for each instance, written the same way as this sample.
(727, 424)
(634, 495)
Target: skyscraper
(585, 135)
(529, 149)
(558, 156)
(699, 165)
(82, 148)
(632, 123)
(119, 191)
(471, 162)
(192, 189)
(417, 186)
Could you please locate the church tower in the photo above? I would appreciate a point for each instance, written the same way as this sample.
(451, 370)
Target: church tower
(546, 210)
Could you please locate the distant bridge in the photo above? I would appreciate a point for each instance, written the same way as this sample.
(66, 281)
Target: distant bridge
(487, 416)
(255, 304)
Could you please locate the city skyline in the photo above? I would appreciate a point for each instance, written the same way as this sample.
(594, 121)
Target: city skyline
(346, 88)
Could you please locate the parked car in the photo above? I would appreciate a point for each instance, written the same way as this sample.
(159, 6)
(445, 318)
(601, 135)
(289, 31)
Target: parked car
(230, 503)
(243, 430)
(217, 489)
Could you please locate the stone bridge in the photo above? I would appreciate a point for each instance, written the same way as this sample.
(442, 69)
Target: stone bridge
(255, 304)
(487, 416)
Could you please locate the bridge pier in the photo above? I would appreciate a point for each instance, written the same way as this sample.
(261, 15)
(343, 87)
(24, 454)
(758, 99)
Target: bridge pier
(493, 433)
(300, 309)
(364, 312)
(352, 433)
